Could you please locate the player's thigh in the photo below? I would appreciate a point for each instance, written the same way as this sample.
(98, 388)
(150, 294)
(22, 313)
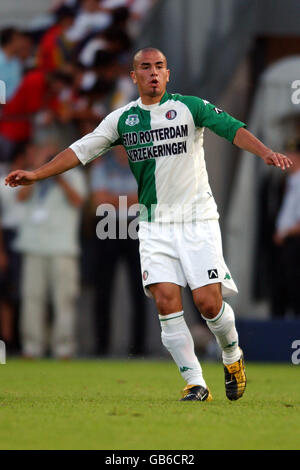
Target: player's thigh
(160, 263)
(208, 299)
(202, 259)
(167, 296)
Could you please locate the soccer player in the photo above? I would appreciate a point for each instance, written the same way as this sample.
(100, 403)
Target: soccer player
(179, 233)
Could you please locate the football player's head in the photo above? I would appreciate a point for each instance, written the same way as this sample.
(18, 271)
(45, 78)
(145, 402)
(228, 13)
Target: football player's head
(150, 72)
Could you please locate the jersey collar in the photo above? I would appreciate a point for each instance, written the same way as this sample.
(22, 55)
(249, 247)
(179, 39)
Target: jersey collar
(155, 105)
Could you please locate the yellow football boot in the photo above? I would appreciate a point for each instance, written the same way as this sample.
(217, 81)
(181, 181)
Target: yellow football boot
(196, 393)
(235, 379)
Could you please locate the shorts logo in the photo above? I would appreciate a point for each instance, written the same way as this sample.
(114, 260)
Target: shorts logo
(171, 114)
(213, 274)
(145, 275)
(132, 120)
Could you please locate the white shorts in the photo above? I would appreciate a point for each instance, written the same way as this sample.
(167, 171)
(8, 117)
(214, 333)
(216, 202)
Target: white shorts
(184, 254)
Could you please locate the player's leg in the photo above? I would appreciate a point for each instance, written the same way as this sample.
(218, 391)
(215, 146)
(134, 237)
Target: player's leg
(162, 278)
(177, 339)
(220, 320)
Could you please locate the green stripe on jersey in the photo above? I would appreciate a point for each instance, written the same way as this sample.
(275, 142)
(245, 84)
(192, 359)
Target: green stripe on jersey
(133, 121)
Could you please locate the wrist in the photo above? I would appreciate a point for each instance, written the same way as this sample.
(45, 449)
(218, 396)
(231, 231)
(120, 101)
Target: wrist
(267, 153)
(35, 175)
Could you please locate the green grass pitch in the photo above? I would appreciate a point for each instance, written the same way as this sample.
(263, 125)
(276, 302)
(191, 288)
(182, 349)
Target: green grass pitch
(133, 405)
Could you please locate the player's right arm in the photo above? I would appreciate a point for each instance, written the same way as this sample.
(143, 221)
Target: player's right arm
(63, 161)
(82, 151)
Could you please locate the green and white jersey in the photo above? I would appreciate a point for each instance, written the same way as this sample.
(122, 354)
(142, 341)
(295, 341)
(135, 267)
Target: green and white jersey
(164, 144)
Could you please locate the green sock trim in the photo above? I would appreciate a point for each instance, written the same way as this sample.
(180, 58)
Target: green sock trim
(167, 319)
(231, 345)
(218, 316)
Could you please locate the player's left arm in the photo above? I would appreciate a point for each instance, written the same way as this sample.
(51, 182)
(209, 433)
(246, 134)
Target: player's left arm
(225, 125)
(247, 141)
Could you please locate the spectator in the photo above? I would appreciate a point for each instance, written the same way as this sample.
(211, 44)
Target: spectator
(138, 10)
(110, 178)
(5, 320)
(54, 50)
(73, 4)
(124, 89)
(113, 39)
(11, 212)
(91, 19)
(287, 235)
(26, 53)
(48, 242)
(10, 65)
(106, 66)
(83, 105)
(37, 91)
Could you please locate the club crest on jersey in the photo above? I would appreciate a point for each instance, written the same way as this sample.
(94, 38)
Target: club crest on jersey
(171, 114)
(145, 275)
(132, 120)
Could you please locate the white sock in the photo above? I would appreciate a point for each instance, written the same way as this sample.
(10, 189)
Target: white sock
(223, 327)
(177, 339)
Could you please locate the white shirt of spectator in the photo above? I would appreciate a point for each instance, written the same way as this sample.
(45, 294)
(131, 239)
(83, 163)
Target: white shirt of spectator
(289, 214)
(87, 55)
(11, 210)
(50, 227)
(86, 23)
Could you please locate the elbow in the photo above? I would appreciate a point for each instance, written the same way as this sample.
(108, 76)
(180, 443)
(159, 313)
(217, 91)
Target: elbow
(241, 136)
(236, 137)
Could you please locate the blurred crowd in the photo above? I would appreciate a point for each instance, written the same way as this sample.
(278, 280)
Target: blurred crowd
(280, 241)
(63, 75)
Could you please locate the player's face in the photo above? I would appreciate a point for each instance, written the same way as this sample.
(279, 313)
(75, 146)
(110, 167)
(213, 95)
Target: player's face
(151, 75)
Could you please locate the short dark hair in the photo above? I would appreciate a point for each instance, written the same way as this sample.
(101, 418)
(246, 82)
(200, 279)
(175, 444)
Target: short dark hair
(7, 35)
(146, 49)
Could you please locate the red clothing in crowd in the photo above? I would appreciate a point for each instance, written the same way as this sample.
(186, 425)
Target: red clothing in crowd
(49, 55)
(30, 97)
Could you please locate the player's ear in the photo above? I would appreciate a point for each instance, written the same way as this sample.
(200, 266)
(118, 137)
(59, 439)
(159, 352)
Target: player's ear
(168, 76)
(133, 77)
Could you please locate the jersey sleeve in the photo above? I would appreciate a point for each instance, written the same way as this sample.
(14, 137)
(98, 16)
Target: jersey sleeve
(206, 114)
(102, 139)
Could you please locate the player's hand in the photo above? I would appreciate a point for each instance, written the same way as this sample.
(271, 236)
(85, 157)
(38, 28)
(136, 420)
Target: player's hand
(277, 159)
(20, 178)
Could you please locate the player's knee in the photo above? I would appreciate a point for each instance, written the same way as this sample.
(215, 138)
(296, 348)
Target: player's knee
(209, 306)
(167, 298)
(165, 304)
